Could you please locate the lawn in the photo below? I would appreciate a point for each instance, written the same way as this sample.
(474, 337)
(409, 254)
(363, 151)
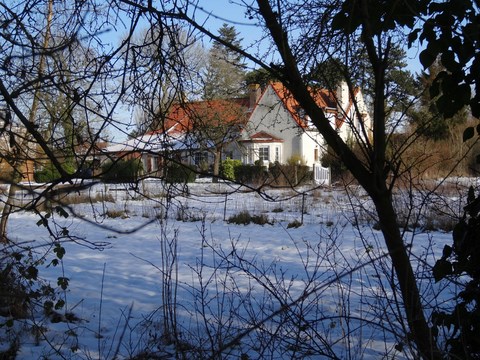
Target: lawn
(173, 271)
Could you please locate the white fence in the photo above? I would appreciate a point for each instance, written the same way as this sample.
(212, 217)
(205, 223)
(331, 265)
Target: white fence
(321, 175)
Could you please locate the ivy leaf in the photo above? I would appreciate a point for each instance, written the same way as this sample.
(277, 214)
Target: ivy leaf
(59, 304)
(63, 282)
(59, 251)
(31, 273)
(47, 306)
(42, 222)
(441, 269)
(447, 251)
(430, 54)
(54, 262)
(61, 211)
(468, 133)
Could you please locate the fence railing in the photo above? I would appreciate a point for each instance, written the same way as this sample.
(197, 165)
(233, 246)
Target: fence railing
(321, 175)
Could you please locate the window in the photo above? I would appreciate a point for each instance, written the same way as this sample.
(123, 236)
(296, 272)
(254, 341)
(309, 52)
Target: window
(200, 157)
(315, 155)
(264, 153)
(277, 153)
(250, 159)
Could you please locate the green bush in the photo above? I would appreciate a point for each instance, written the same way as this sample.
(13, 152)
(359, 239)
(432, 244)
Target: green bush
(123, 170)
(289, 174)
(49, 172)
(229, 167)
(179, 173)
(251, 174)
(331, 160)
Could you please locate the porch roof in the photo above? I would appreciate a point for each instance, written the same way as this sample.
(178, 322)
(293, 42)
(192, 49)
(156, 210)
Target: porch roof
(263, 137)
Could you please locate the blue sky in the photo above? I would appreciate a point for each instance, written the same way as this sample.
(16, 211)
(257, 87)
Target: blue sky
(217, 12)
(214, 13)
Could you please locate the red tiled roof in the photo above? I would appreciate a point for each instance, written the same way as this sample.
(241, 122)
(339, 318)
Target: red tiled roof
(185, 117)
(324, 99)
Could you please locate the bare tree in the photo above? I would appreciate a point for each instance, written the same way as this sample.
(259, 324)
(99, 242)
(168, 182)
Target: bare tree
(306, 34)
(155, 72)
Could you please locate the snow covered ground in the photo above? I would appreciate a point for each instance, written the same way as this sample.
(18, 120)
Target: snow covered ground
(133, 254)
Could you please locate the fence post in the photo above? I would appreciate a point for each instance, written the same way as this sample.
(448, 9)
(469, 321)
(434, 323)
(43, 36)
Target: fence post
(303, 206)
(225, 208)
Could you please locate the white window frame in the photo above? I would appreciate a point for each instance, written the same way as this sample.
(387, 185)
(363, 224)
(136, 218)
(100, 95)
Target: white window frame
(261, 156)
(278, 154)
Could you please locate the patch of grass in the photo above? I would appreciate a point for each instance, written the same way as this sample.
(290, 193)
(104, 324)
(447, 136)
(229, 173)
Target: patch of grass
(261, 219)
(244, 218)
(294, 224)
(186, 215)
(277, 210)
(73, 199)
(116, 214)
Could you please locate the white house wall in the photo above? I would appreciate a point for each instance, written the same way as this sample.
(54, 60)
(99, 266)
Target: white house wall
(311, 140)
(271, 116)
(347, 110)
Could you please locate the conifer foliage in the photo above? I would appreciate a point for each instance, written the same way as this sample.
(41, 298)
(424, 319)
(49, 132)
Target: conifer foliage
(225, 73)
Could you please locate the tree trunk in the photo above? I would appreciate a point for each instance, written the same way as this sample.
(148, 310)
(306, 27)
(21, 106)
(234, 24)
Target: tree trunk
(17, 163)
(417, 323)
(216, 164)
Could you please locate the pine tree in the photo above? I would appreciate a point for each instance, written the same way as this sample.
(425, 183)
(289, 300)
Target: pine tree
(225, 72)
(427, 117)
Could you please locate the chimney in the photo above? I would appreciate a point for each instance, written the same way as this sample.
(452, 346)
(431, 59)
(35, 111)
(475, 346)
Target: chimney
(254, 91)
(343, 97)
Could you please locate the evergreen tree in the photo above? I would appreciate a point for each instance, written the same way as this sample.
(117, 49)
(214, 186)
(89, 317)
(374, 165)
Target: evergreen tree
(225, 72)
(259, 76)
(426, 117)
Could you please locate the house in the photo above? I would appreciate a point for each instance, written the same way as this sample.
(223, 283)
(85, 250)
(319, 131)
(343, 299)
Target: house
(267, 126)
(17, 152)
(194, 133)
(278, 130)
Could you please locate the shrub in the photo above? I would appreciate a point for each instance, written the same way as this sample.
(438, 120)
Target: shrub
(123, 170)
(179, 173)
(244, 218)
(49, 172)
(250, 174)
(261, 219)
(229, 167)
(459, 264)
(331, 160)
(296, 160)
(116, 214)
(294, 224)
(290, 174)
